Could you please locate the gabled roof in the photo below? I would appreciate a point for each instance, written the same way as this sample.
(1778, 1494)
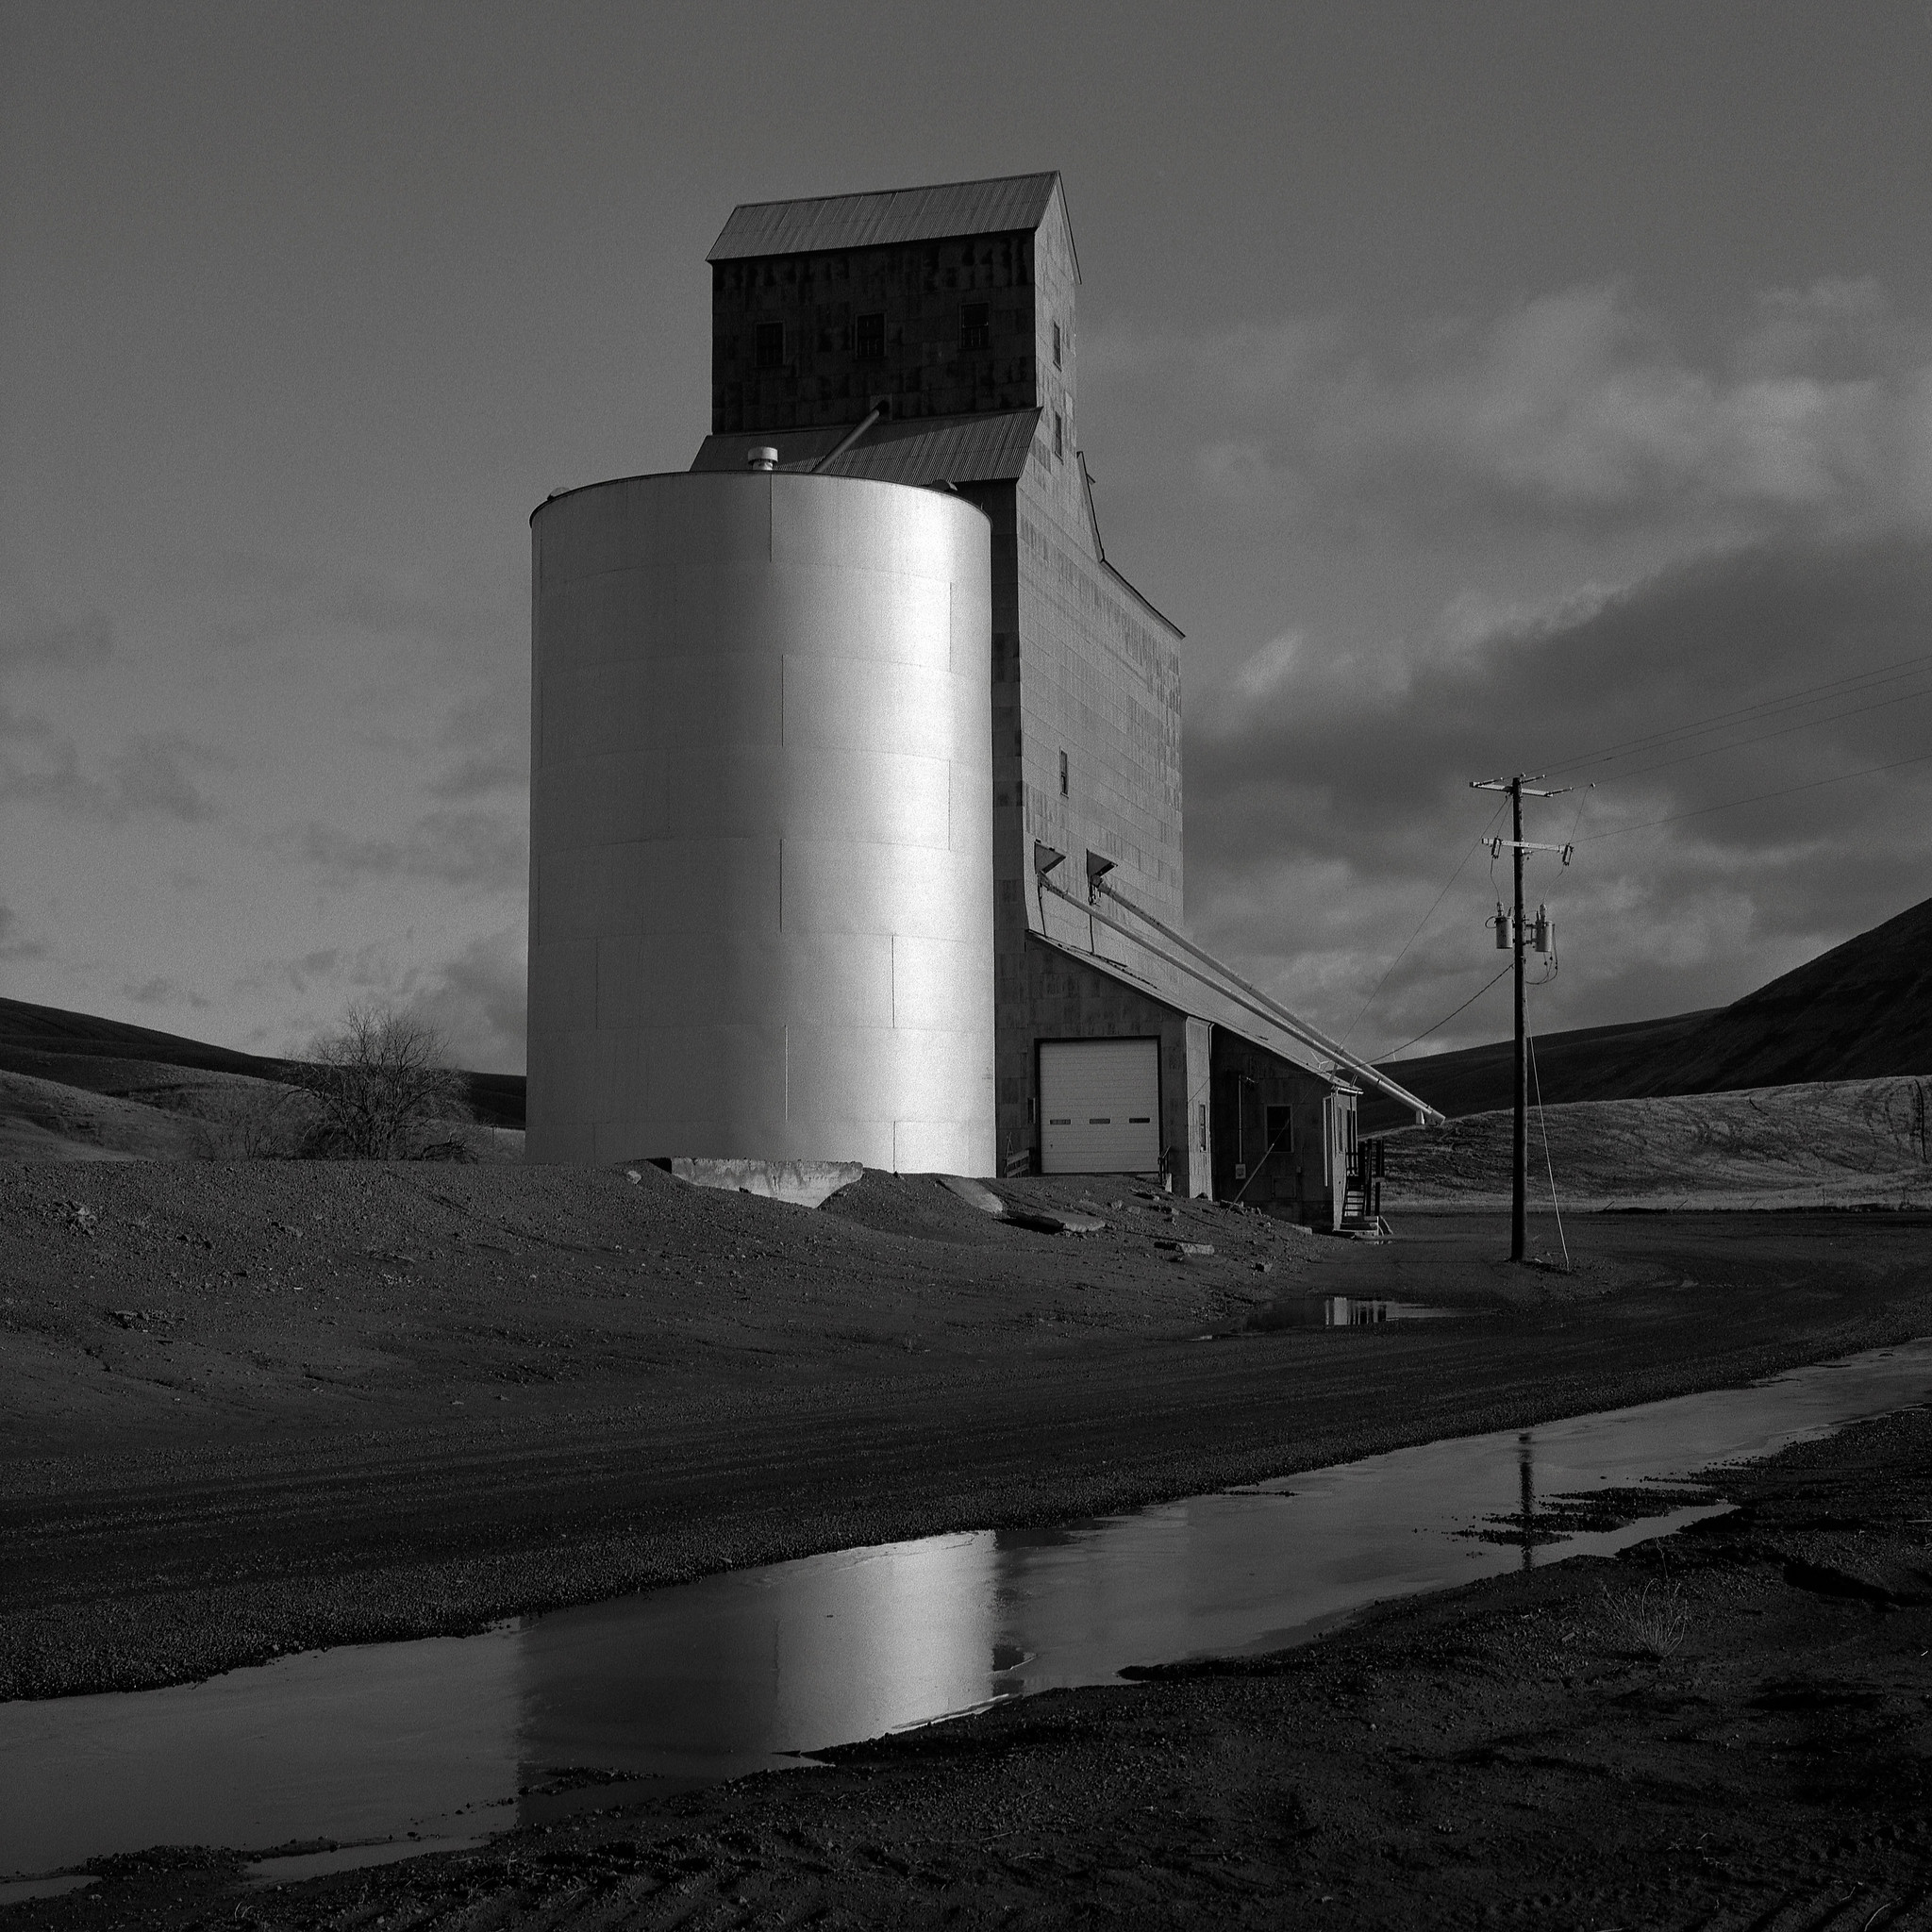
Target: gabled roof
(1015, 202)
(953, 449)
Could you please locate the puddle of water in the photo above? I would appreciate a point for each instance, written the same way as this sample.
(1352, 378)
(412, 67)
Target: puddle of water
(1343, 1312)
(21, 1890)
(296, 1865)
(449, 1738)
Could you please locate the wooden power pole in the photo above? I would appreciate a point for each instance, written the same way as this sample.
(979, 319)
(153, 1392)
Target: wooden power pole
(1518, 788)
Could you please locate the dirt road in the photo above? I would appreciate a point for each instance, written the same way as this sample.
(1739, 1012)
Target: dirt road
(267, 1406)
(1731, 1731)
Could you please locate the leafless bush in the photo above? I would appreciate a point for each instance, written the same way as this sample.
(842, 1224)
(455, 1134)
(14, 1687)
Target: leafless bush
(260, 1119)
(382, 1088)
(1654, 1622)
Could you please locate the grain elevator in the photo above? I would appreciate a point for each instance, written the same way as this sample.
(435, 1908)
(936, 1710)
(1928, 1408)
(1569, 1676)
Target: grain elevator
(857, 763)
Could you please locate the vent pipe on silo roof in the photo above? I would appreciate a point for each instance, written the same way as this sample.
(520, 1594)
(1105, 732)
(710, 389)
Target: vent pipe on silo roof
(765, 458)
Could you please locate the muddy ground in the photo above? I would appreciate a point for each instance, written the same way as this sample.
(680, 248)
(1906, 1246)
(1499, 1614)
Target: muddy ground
(1731, 1731)
(272, 1405)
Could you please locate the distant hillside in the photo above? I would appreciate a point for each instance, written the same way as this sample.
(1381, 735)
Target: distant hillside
(1862, 1010)
(1822, 1143)
(1588, 1063)
(1858, 1012)
(108, 1057)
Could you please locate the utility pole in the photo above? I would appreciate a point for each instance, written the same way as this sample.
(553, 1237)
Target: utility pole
(1518, 788)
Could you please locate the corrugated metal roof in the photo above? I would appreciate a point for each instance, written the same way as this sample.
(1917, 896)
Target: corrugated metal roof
(955, 449)
(895, 214)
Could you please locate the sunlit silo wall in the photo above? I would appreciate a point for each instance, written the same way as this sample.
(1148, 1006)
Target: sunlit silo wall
(761, 823)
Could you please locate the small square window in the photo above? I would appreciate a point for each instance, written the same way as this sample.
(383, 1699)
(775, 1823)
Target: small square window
(1063, 774)
(1056, 346)
(869, 338)
(771, 345)
(1060, 435)
(975, 326)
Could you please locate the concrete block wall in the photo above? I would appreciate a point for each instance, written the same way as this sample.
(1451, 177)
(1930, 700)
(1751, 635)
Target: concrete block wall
(927, 369)
(1062, 998)
(1301, 1181)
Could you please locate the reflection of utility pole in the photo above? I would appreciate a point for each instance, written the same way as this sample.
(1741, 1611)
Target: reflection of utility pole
(1518, 788)
(1526, 1474)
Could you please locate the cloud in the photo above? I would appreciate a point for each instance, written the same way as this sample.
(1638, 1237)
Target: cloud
(1574, 410)
(507, 769)
(152, 775)
(475, 999)
(1326, 812)
(483, 849)
(488, 738)
(44, 640)
(478, 1001)
(1268, 669)
(14, 944)
(161, 991)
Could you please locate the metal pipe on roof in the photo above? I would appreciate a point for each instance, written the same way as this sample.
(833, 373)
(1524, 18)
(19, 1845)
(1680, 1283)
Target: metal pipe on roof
(1259, 1005)
(878, 409)
(1282, 1018)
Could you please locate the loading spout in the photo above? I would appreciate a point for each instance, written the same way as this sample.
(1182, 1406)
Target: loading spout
(851, 437)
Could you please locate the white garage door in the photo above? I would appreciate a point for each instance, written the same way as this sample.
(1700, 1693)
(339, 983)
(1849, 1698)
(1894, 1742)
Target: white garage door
(1100, 1105)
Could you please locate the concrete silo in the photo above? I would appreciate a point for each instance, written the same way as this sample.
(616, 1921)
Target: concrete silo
(761, 892)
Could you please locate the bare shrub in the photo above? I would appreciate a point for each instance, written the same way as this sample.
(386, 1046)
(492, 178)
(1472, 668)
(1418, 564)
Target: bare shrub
(382, 1087)
(1655, 1621)
(259, 1120)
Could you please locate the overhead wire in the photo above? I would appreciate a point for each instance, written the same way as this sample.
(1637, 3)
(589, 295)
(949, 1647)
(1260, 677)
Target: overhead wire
(1543, 1126)
(1836, 687)
(1783, 731)
(1417, 934)
(1383, 1059)
(1757, 798)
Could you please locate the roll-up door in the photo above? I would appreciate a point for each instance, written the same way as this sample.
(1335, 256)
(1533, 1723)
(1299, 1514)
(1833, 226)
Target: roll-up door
(1100, 1105)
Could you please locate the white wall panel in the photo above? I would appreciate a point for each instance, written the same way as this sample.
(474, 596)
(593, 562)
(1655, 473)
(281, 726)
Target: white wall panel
(931, 1148)
(852, 703)
(832, 886)
(804, 612)
(564, 986)
(762, 811)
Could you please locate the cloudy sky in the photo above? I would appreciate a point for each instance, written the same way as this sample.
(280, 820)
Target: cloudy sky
(1483, 387)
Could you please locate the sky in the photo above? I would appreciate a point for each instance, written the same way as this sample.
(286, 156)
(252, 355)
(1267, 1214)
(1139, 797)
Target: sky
(1483, 388)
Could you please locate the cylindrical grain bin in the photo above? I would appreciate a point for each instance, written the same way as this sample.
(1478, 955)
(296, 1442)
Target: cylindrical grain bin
(761, 823)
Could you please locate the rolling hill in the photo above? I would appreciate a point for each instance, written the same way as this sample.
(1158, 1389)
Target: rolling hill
(165, 1073)
(1862, 1012)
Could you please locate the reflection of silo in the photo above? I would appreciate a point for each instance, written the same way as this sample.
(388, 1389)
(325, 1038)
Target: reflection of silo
(761, 823)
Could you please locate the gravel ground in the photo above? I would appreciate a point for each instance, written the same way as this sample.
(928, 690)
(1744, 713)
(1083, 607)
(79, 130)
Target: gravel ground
(1731, 1731)
(268, 1406)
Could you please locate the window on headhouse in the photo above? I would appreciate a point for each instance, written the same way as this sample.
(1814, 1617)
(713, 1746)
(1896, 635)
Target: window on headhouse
(1063, 774)
(771, 342)
(1056, 346)
(1060, 435)
(976, 324)
(869, 338)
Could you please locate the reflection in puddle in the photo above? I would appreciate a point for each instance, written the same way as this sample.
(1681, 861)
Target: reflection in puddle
(1343, 1311)
(451, 1738)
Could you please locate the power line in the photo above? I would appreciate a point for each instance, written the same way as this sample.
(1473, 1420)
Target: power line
(1835, 687)
(1758, 797)
(1418, 932)
(1549, 1166)
(1383, 1059)
(1783, 731)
